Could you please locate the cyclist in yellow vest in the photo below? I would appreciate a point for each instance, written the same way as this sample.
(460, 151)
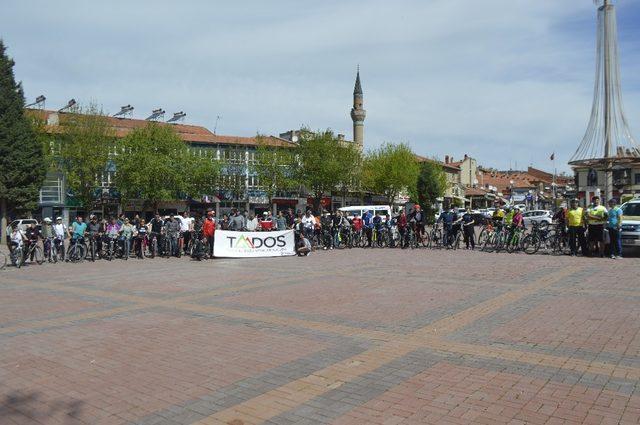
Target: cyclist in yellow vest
(498, 216)
(575, 222)
(596, 219)
(508, 218)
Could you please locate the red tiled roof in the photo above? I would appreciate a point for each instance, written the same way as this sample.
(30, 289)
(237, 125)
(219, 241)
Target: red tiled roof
(188, 133)
(502, 180)
(475, 191)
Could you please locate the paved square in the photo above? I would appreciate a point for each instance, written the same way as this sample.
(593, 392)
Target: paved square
(345, 337)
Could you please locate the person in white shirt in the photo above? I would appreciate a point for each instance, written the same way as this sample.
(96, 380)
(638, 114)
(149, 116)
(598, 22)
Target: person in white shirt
(17, 237)
(252, 223)
(186, 228)
(59, 233)
(308, 223)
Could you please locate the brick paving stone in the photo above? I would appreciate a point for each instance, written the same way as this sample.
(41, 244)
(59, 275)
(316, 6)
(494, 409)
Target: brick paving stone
(358, 336)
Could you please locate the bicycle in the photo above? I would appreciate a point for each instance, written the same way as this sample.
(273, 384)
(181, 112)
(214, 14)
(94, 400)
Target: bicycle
(17, 257)
(76, 251)
(198, 249)
(92, 247)
(167, 247)
(153, 244)
(435, 237)
(453, 237)
(34, 252)
(56, 252)
(514, 241)
(141, 246)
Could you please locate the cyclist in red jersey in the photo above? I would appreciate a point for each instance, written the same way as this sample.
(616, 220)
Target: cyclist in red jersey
(357, 222)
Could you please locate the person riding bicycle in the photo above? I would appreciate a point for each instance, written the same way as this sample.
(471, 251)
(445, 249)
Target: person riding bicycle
(141, 232)
(498, 217)
(326, 225)
(391, 224)
(403, 223)
(560, 220)
(47, 236)
(60, 234)
(339, 223)
(17, 240)
(126, 234)
(357, 223)
(308, 224)
(77, 230)
(94, 231)
(448, 218)
(417, 218)
(157, 226)
(508, 216)
(517, 221)
(33, 234)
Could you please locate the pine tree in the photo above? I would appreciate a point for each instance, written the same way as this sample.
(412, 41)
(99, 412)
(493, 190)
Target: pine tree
(22, 165)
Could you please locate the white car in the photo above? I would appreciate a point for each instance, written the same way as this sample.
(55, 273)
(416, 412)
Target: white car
(631, 223)
(537, 216)
(22, 223)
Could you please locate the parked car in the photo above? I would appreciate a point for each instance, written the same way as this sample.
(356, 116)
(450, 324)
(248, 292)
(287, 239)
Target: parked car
(22, 223)
(537, 216)
(631, 223)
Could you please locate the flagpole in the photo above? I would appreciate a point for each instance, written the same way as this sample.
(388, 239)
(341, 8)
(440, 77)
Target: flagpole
(555, 201)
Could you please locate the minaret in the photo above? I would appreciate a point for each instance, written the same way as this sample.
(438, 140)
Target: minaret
(358, 114)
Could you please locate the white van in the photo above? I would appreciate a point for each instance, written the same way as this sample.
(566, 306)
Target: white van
(361, 209)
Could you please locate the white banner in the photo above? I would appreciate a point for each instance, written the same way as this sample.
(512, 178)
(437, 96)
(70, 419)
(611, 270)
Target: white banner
(253, 244)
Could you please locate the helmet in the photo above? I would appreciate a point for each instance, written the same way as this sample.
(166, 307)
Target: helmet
(47, 220)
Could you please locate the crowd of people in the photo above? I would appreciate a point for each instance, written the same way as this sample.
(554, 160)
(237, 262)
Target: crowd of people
(586, 231)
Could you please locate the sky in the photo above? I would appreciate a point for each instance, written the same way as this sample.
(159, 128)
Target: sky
(505, 81)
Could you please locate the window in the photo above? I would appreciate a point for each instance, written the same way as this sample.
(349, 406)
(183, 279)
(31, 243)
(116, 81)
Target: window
(51, 191)
(631, 209)
(637, 179)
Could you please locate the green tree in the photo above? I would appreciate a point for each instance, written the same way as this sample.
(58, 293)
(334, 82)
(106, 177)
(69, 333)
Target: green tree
(22, 163)
(324, 163)
(431, 185)
(390, 170)
(86, 139)
(153, 164)
(274, 168)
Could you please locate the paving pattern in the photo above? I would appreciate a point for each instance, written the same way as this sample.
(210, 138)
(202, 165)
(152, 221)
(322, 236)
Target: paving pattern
(343, 337)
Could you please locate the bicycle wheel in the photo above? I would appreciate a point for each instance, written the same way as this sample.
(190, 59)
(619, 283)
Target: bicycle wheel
(486, 245)
(513, 244)
(456, 242)
(18, 257)
(530, 244)
(38, 255)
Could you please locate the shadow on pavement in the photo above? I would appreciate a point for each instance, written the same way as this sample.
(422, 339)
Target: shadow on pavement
(20, 405)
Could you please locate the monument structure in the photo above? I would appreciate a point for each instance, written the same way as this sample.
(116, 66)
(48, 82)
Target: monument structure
(607, 162)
